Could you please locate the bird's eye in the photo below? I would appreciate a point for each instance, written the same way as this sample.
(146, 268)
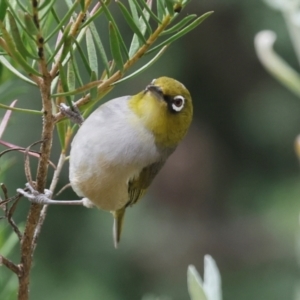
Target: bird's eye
(178, 103)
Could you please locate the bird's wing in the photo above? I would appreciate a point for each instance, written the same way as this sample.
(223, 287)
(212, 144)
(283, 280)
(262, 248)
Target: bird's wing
(138, 186)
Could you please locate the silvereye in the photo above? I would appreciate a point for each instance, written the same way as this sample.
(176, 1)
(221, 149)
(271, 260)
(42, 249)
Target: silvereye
(123, 144)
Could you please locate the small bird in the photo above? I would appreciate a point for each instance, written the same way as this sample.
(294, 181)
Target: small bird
(123, 144)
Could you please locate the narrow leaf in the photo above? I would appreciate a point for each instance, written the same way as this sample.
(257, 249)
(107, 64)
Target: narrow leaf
(61, 127)
(91, 51)
(3, 7)
(182, 32)
(29, 24)
(212, 279)
(115, 47)
(64, 83)
(117, 32)
(7, 64)
(17, 37)
(144, 20)
(179, 25)
(48, 6)
(134, 12)
(146, 66)
(62, 38)
(76, 69)
(278, 67)
(147, 6)
(79, 90)
(6, 118)
(94, 90)
(46, 3)
(14, 52)
(169, 5)
(195, 288)
(100, 46)
(83, 57)
(160, 9)
(144, 24)
(70, 77)
(60, 25)
(131, 22)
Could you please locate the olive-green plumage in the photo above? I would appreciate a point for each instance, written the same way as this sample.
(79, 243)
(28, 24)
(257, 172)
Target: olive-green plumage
(121, 147)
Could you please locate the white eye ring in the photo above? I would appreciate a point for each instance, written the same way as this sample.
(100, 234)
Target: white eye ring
(178, 103)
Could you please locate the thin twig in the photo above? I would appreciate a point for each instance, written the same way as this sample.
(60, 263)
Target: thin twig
(43, 213)
(10, 219)
(63, 188)
(27, 162)
(10, 265)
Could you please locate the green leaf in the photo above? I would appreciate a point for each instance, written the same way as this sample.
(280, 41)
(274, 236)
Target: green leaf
(146, 66)
(169, 6)
(182, 32)
(69, 3)
(117, 32)
(94, 90)
(48, 6)
(3, 7)
(19, 42)
(14, 52)
(75, 68)
(61, 128)
(115, 46)
(70, 77)
(29, 24)
(131, 23)
(79, 90)
(144, 24)
(84, 59)
(61, 40)
(100, 47)
(7, 64)
(46, 3)
(134, 12)
(195, 283)
(160, 9)
(92, 55)
(147, 6)
(62, 21)
(144, 19)
(64, 83)
(179, 25)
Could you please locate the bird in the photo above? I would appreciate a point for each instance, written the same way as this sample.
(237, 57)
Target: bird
(120, 148)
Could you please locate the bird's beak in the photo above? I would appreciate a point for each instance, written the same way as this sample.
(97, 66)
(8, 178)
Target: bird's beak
(155, 90)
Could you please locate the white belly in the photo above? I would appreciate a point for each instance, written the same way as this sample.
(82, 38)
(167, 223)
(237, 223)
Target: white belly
(110, 148)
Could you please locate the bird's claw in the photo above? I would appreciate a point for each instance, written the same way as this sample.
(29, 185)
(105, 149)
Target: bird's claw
(34, 196)
(73, 113)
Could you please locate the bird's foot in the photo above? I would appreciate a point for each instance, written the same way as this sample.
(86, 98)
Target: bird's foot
(73, 113)
(44, 198)
(34, 196)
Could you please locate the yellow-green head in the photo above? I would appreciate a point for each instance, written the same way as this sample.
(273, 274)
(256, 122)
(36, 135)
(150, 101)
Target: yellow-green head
(165, 107)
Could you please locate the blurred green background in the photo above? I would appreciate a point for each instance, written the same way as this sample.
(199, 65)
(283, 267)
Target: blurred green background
(231, 189)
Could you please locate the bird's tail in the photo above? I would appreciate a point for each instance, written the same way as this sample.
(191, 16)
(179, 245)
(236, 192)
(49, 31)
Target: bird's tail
(118, 224)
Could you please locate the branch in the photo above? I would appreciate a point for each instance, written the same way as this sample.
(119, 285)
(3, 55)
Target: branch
(105, 86)
(10, 265)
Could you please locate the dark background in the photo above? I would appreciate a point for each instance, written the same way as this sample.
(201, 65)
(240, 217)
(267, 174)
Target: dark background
(231, 189)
